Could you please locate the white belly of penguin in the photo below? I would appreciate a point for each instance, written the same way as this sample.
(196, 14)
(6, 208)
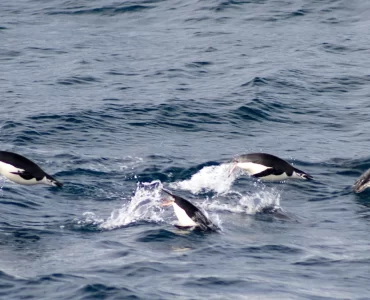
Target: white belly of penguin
(281, 177)
(7, 171)
(275, 177)
(184, 219)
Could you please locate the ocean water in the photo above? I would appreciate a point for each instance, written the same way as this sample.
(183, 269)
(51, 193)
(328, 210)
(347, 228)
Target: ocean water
(120, 98)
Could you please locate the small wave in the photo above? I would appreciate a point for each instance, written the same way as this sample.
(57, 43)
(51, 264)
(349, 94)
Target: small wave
(229, 4)
(104, 10)
(335, 48)
(216, 281)
(256, 81)
(98, 290)
(251, 113)
(271, 249)
(317, 261)
(46, 50)
(25, 204)
(260, 110)
(9, 54)
(160, 235)
(78, 80)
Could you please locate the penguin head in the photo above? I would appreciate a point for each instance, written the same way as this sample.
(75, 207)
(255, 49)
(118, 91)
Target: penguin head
(362, 183)
(52, 181)
(306, 176)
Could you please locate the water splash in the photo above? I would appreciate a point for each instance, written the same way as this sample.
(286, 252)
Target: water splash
(145, 203)
(260, 201)
(251, 203)
(220, 180)
(144, 206)
(90, 219)
(211, 178)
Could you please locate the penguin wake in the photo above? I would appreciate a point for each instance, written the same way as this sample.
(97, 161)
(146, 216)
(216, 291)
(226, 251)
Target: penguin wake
(265, 200)
(144, 206)
(211, 178)
(219, 179)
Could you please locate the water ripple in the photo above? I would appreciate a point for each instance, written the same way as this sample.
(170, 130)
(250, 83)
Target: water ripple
(103, 10)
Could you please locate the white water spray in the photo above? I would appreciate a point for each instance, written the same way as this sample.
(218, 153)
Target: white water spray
(144, 206)
(212, 178)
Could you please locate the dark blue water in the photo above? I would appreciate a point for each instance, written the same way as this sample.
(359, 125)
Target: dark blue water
(117, 99)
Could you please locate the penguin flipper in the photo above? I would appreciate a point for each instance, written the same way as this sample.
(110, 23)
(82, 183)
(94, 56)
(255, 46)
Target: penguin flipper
(267, 172)
(25, 175)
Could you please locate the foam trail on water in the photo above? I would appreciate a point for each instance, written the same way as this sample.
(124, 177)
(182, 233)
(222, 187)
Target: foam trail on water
(211, 178)
(261, 200)
(252, 203)
(144, 206)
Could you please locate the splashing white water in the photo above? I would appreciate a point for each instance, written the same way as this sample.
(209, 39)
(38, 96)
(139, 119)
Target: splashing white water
(90, 218)
(212, 178)
(251, 203)
(260, 200)
(220, 179)
(144, 206)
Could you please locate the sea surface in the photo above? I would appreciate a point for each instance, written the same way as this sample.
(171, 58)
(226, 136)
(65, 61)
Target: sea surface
(118, 99)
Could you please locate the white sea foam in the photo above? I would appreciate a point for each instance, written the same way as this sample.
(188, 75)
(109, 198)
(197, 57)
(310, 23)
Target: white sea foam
(219, 179)
(144, 206)
(89, 218)
(211, 178)
(251, 203)
(260, 200)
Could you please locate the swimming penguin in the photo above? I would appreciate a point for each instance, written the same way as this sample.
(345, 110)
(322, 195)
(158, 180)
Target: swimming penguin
(189, 215)
(362, 183)
(267, 167)
(21, 170)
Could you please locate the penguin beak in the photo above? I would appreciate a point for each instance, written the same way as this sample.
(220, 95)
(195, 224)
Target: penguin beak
(58, 184)
(233, 167)
(167, 202)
